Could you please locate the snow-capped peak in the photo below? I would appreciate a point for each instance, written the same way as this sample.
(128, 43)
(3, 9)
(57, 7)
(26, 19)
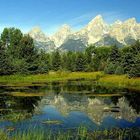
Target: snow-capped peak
(36, 29)
(37, 34)
(65, 27)
(60, 36)
(97, 20)
(95, 31)
(131, 21)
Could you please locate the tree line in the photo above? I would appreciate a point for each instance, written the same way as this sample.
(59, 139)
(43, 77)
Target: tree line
(18, 55)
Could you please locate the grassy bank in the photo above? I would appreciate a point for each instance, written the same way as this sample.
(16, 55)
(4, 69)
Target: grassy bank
(44, 78)
(79, 134)
(119, 81)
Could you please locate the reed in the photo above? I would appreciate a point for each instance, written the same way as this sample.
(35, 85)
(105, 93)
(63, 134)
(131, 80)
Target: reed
(79, 134)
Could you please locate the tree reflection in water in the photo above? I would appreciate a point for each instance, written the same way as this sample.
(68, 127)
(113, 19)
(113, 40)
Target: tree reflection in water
(71, 96)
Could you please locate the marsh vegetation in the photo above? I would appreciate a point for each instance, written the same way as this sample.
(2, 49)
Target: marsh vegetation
(69, 109)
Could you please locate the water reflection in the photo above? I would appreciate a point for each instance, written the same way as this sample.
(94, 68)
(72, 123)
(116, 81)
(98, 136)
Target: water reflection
(16, 108)
(96, 108)
(73, 102)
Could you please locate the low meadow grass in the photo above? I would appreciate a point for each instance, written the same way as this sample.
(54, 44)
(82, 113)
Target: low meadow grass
(50, 77)
(117, 81)
(120, 81)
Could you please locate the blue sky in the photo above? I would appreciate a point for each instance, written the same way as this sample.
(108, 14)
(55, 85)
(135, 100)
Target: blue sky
(51, 14)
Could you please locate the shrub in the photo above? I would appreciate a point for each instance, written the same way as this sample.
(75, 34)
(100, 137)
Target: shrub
(110, 68)
(119, 70)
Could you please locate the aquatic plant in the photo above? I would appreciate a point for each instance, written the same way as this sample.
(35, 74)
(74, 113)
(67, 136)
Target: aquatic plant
(81, 133)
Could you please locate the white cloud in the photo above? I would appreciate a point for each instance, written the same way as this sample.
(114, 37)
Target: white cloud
(82, 20)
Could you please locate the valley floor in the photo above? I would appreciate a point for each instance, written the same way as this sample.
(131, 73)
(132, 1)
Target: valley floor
(116, 81)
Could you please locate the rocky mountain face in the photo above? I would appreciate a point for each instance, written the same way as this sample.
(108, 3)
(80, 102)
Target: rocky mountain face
(59, 37)
(97, 32)
(41, 40)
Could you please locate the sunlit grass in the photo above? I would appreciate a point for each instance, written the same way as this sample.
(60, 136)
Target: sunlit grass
(24, 80)
(117, 81)
(120, 81)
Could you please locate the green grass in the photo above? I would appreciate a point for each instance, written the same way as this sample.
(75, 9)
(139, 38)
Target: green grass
(117, 81)
(44, 78)
(120, 81)
(78, 134)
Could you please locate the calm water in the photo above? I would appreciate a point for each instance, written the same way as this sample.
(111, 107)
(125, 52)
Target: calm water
(68, 105)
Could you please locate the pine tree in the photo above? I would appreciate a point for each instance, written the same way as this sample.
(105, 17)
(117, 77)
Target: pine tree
(11, 38)
(80, 61)
(56, 61)
(119, 70)
(110, 68)
(114, 55)
(5, 67)
(70, 62)
(29, 53)
(135, 67)
(90, 56)
(43, 62)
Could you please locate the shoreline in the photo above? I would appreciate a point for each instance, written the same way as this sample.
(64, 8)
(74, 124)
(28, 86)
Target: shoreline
(115, 81)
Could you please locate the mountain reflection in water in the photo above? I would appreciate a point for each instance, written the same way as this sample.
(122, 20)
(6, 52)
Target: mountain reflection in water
(71, 103)
(96, 108)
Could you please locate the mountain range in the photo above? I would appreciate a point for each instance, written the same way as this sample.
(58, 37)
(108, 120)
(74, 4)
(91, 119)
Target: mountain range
(96, 32)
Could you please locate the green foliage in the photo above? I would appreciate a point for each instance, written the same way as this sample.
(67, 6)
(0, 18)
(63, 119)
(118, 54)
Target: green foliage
(135, 69)
(43, 62)
(80, 61)
(19, 66)
(110, 68)
(96, 58)
(19, 55)
(56, 61)
(5, 66)
(130, 60)
(68, 61)
(114, 54)
(89, 53)
(119, 70)
(11, 38)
